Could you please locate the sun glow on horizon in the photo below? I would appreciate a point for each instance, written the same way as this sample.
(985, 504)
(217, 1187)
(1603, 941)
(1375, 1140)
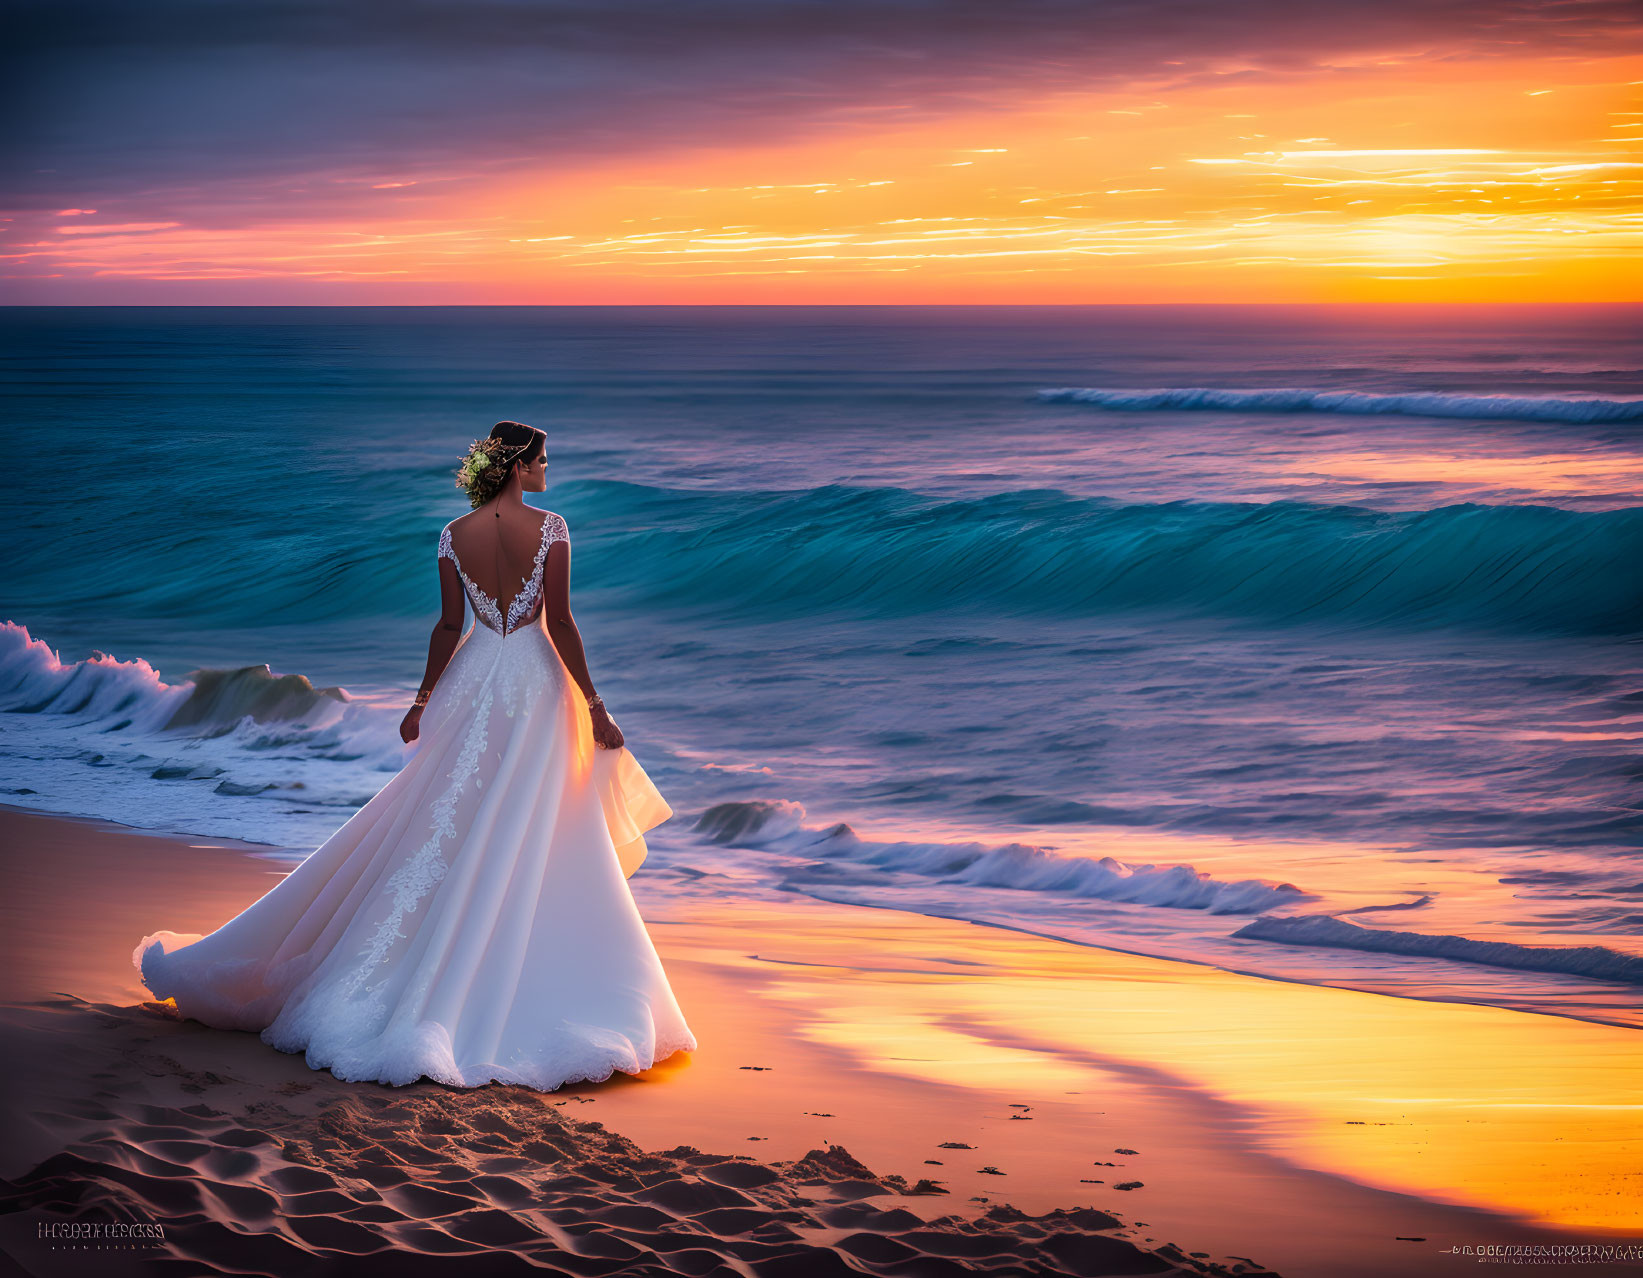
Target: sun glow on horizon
(1176, 201)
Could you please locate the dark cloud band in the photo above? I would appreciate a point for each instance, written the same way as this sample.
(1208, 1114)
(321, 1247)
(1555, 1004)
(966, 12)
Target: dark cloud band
(111, 98)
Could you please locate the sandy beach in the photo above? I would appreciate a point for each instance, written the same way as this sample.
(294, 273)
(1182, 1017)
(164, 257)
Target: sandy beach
(875, 1092)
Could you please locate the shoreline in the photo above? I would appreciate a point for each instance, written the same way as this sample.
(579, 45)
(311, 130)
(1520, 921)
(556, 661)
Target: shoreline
(855, 1031)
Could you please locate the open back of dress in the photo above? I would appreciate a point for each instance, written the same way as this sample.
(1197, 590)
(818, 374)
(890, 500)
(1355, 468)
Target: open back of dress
(525, 605)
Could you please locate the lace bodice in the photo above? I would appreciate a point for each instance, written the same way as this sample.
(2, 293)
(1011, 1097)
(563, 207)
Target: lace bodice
(524, 605)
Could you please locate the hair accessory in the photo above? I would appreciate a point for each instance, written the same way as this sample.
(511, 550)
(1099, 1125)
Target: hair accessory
(484, 454)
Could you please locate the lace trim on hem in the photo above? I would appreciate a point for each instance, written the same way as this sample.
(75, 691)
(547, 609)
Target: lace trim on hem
(416, 877)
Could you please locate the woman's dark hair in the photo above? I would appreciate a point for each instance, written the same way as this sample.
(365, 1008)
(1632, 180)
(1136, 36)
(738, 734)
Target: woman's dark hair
(484, 483)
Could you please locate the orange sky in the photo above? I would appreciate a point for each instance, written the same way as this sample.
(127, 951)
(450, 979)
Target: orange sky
(1382, 181)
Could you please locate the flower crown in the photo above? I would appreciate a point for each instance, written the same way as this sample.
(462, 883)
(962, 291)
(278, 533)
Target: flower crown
(483, 454)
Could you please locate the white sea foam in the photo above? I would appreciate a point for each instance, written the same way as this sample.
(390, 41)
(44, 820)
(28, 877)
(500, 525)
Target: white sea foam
(241, 752)
(1597, 962)
(779, 825)
(1301, 399)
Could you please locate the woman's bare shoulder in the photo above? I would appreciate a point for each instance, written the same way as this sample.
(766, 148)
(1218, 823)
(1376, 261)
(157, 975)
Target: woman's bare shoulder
(549, 523)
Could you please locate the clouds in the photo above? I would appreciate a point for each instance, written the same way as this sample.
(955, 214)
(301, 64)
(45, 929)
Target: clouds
(524, 151)
(113, 100)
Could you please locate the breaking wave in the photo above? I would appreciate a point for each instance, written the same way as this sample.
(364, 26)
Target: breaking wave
(1301, 399)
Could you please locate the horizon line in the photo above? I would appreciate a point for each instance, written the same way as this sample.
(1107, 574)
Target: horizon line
(792, 306)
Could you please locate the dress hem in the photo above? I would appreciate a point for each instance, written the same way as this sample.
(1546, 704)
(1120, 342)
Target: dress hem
(498, 1075)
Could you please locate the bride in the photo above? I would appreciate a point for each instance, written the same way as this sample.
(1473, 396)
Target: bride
(472, 923)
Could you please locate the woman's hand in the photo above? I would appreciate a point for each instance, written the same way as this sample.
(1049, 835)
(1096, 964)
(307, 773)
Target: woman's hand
(605, 731)
(410, 724)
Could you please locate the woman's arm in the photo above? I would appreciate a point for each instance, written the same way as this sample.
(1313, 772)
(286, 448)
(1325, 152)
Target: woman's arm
(568, 639)
(441, 644)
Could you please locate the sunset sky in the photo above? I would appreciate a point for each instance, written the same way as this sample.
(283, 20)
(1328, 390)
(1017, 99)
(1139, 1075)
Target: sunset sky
(731, 151)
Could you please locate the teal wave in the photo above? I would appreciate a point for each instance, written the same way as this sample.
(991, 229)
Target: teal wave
(886, 551)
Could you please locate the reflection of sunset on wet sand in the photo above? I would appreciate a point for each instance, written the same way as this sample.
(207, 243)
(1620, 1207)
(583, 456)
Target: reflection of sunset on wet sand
(1537, 1116)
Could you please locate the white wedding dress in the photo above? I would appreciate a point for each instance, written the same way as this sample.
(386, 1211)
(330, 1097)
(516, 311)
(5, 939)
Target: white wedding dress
(472, 923)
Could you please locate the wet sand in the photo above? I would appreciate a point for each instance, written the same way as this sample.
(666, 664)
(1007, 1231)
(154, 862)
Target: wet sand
(875, 1092)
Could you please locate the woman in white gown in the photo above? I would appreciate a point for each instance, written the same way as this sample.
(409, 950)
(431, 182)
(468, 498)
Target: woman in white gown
(472, 923)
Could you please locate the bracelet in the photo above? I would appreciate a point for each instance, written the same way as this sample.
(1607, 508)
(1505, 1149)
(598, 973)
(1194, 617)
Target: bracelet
(422, 696)
(595, 700)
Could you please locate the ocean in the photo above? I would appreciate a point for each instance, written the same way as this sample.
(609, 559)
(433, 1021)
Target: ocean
(1301, 641)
